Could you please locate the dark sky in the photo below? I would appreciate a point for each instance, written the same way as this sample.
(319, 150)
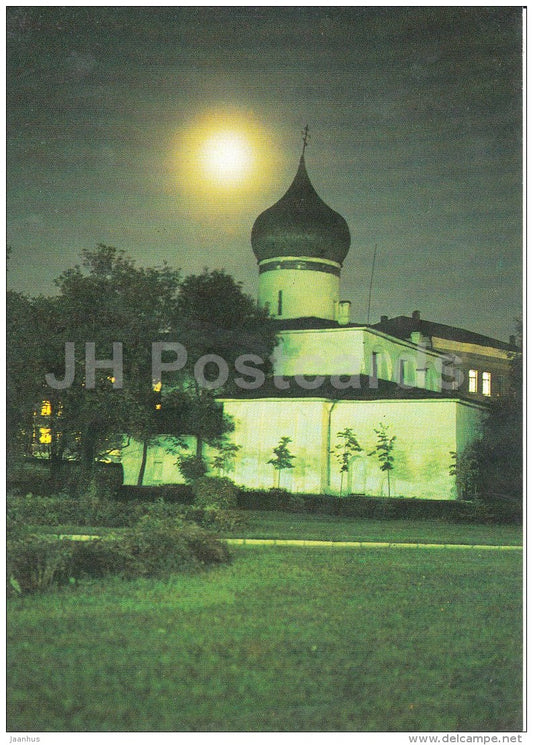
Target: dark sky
(415, 119)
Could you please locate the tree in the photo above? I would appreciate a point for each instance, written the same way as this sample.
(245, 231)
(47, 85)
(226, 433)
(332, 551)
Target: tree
(383, 450)
(218, 323)
(465, 468)
(224, 459)
(345, 451)
(106, 300)
(494, 461)
(282, 458)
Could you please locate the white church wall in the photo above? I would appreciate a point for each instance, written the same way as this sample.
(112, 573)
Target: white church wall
(259, 426)
(319, 352)
(422, 368)
(161, 465)
(426, 432)
(356, 351)
(304, 292)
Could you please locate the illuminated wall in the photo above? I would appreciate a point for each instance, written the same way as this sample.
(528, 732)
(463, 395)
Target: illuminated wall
(426, 431)
(356, 351)
(295, 293)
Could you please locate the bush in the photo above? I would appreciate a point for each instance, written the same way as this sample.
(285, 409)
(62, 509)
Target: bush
(35, 564)
(153, 548)
(215, 519)
(493, 510)
(178, 493)
(211, 491)
(85, 511)
(156, 548)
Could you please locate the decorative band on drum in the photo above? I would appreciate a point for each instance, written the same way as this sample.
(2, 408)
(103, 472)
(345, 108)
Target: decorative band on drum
(300, 264)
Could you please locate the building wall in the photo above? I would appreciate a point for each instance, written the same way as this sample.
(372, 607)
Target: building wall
(305, 292)
(349, 351)
(482, 359)
(426, 431)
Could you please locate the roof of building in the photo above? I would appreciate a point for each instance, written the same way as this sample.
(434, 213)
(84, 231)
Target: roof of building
(403, 326)
(301, 224)
(308, 323)
(368, 390)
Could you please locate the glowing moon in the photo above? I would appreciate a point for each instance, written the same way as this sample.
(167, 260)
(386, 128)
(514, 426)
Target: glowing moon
(223, 160)
(227, 157)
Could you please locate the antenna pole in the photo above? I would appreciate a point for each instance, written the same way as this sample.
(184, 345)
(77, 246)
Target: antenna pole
(371, 281)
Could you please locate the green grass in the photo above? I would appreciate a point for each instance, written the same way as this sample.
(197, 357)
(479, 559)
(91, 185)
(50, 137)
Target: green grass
(290, 639)
(323, 527)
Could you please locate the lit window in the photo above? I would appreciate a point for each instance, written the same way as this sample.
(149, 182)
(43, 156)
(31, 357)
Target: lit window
(158, 406)
(46, 408)
(156, 386)
(486, 384)
(472, 381)
(45, 435)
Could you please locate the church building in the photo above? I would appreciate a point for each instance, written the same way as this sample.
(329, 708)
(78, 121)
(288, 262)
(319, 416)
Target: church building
(424, 384)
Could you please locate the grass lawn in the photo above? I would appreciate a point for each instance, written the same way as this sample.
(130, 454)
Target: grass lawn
(322, 527)
(284, 639)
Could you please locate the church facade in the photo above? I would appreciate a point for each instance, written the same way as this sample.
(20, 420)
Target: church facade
(424, 384)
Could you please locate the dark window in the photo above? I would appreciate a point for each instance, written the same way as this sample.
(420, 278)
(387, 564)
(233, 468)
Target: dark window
(280, 302)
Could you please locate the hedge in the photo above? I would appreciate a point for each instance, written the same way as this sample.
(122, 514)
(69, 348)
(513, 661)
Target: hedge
(495, 510)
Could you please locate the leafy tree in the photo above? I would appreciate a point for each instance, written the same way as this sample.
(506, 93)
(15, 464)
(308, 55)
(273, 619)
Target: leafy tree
(217, 319)
(105, 300)
(224, 459)
(192, 467)
(345, 450)
(465, 468)
(495, 458)
(383, 450)
(282, 457)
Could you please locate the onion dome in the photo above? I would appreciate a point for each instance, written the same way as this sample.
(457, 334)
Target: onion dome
(301, 224)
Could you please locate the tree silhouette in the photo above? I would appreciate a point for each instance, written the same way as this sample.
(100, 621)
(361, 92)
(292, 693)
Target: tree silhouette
(283, 458)
(383, 450)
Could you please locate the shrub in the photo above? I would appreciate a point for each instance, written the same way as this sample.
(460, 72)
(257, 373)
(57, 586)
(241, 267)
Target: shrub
(153, 548)
(211, 491)
(156, 548)
(97, 558)
(215, 519)
(35, 564)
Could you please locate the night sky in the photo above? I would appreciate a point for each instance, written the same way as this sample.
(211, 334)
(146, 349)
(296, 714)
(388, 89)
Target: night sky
(415, 121)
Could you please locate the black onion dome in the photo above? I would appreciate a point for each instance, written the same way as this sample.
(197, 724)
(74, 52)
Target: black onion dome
(301, 224)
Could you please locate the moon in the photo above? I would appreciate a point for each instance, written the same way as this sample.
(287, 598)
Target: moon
(227, 157)
(224, 159)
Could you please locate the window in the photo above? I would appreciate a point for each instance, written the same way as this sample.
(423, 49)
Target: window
(501, 385)
(486, 384)
(402, 366)
(157, 472)
(45, 435)
(472, 381)
(374, 368)
(280, 302)
(46, 408)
